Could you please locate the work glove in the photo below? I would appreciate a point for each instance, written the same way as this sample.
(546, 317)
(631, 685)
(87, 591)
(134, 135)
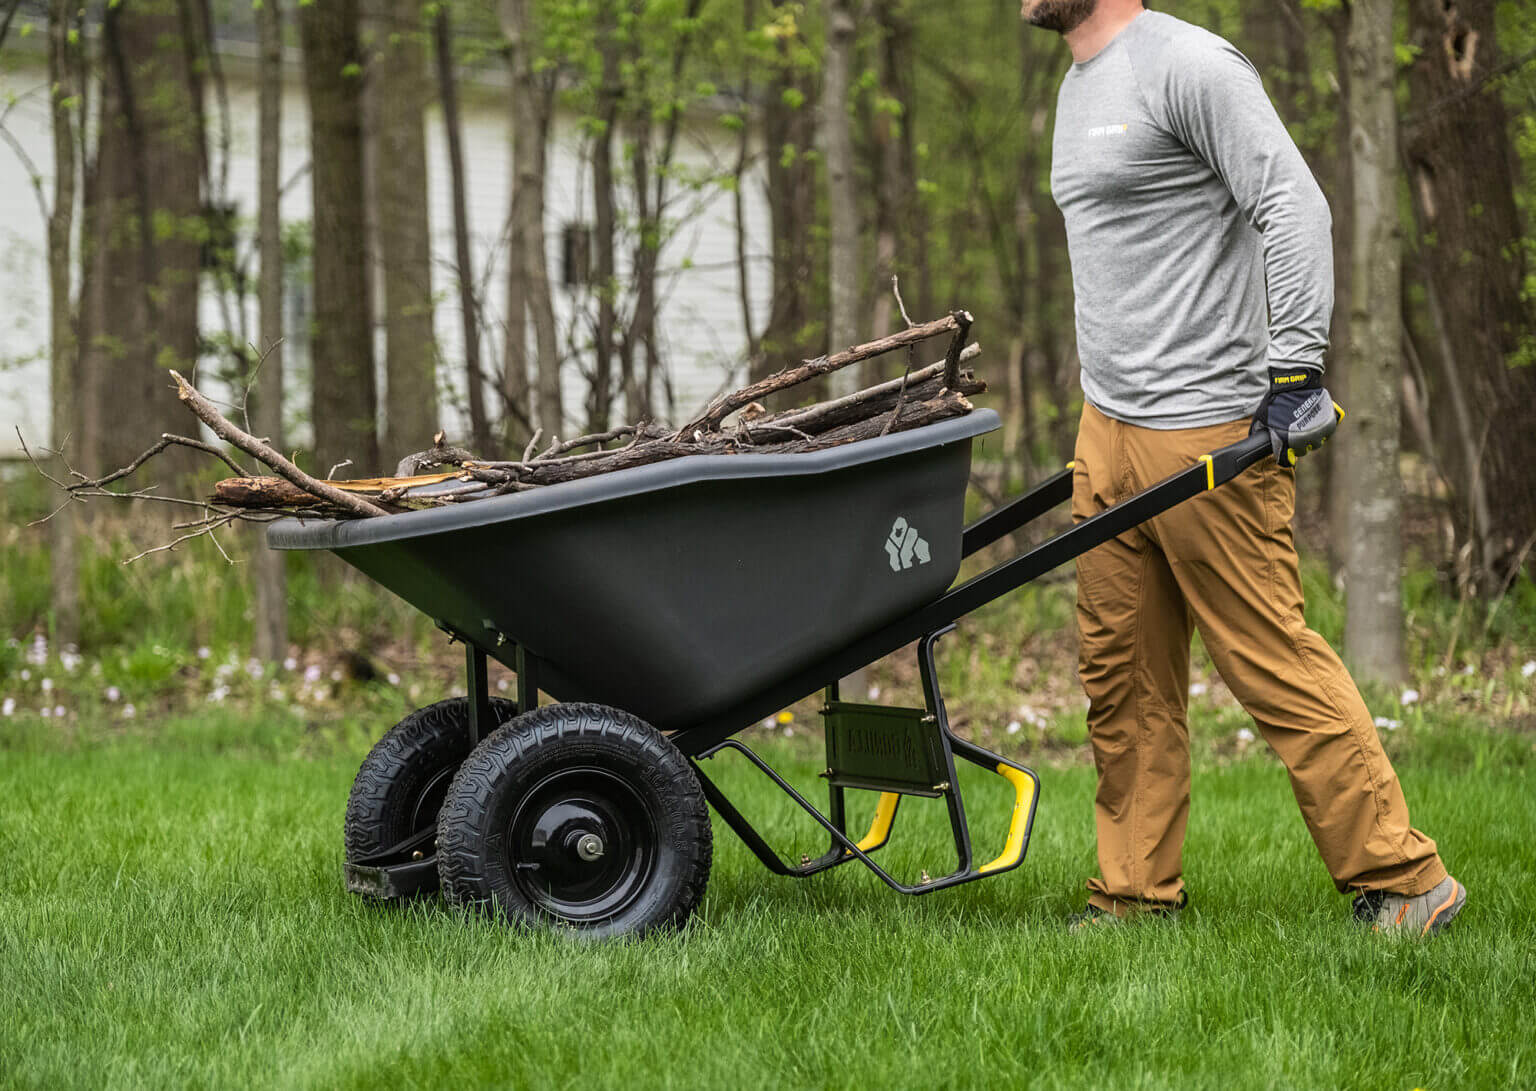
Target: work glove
(1297, 413)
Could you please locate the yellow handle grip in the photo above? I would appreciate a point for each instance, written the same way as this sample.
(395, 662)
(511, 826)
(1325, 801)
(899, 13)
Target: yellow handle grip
(880, 825)
(1023, 796)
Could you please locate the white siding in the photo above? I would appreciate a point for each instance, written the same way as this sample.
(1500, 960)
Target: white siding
(700, 322)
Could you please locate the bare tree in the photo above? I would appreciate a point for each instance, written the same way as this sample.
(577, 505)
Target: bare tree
(1340, 452)
(842, 198)
(651, 170)
(1373, 630)
(609, 92)
(65, 60)
(345, 399)
(469, 305)
(267, 566)
(146, 239)
(528, 288)
(789, 137)
(1462, 174)
(400, 85)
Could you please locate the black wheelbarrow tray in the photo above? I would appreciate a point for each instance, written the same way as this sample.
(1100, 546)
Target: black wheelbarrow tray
(665, 608)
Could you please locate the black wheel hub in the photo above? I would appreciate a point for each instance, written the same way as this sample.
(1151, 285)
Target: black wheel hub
(582, 844)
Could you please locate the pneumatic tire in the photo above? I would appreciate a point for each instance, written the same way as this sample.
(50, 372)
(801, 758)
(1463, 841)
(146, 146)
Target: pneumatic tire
(402, 781)
(581, 815)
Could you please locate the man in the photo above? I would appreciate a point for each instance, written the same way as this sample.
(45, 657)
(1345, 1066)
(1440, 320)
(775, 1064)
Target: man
(1201, 263)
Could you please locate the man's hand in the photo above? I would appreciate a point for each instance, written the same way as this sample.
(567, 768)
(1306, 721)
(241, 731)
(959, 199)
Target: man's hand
(1297, 413)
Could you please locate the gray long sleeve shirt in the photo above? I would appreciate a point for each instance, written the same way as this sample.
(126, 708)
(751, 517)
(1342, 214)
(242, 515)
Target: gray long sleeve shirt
(1200, 243)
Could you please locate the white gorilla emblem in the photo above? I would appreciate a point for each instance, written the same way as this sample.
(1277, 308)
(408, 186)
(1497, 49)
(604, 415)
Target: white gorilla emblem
(903, 544)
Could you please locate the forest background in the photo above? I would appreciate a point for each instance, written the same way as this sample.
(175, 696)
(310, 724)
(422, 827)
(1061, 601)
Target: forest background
(892, 139)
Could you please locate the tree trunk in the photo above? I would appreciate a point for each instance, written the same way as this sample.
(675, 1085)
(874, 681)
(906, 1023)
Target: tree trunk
(738, 199)
(147, 254)
(610, 90)
(464, 266)
(532, 104)
(788, 137)
(271, 637)
(843, 219)
(400, 85)
(1340, 452)
(651, 172)
(1462, 173)
(1373, 629)
(64, 61)
(345, 403)
(516, 389)
(842, 200)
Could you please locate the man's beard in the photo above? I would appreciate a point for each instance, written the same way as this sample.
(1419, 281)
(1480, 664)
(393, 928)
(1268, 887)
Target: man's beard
(1062, 16)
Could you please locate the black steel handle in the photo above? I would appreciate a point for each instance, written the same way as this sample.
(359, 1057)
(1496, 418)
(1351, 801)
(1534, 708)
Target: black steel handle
(1233, 459)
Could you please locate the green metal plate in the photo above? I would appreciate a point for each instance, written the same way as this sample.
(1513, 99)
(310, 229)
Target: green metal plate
(884, 749)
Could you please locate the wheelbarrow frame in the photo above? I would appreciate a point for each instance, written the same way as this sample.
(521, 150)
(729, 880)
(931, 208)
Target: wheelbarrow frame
(926, 625)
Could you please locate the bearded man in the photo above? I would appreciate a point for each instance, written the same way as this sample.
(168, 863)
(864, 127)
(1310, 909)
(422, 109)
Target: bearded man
(1202, 269)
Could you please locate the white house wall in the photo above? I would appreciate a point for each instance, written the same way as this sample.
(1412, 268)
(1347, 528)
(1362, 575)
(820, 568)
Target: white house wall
(700, 326)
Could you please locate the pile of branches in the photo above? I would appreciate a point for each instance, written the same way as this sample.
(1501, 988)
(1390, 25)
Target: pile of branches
(734, 423)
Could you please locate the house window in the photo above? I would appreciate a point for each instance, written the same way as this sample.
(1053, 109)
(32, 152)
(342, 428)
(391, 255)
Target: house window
(576, 254)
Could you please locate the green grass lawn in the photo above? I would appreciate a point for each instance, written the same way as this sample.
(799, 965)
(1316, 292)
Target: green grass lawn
(172, 914)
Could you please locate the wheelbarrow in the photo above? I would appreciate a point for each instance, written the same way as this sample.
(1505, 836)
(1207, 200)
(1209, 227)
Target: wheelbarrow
(664, 609)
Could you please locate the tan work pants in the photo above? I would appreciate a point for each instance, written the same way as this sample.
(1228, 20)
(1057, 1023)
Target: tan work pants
(1225, 562)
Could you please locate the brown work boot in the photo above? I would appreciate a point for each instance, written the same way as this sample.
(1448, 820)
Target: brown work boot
(1420, 915)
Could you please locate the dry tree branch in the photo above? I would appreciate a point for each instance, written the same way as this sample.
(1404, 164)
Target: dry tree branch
(533, 444)
(901, 394)
(252, 446)
(208, 530)
(725, 405)
(167, 439)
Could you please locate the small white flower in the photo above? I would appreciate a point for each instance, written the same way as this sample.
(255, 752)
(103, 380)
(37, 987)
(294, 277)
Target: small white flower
(128, 711)
(312, 673)
(204, 652)
(1014, 727)
(25, 674)
(1244, 734)
(114, 694)
(1409, 697)
(290, 664)
(254, 668)
(336, 674)
(47, 685)
(789, 732)
(1198, 689)
(1529, 669)
(8, 706)
(70, 659)
(47, 712)
(1389, 725)
(393, 679)
(58, 711)
(219, 693)
(1467, 669)
(770, 723)
(874, 693)
(414, 692)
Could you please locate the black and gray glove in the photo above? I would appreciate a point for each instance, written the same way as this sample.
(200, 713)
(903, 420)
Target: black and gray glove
(1297, 413)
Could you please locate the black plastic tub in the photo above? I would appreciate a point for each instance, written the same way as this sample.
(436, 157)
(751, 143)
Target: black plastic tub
(674, 590)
